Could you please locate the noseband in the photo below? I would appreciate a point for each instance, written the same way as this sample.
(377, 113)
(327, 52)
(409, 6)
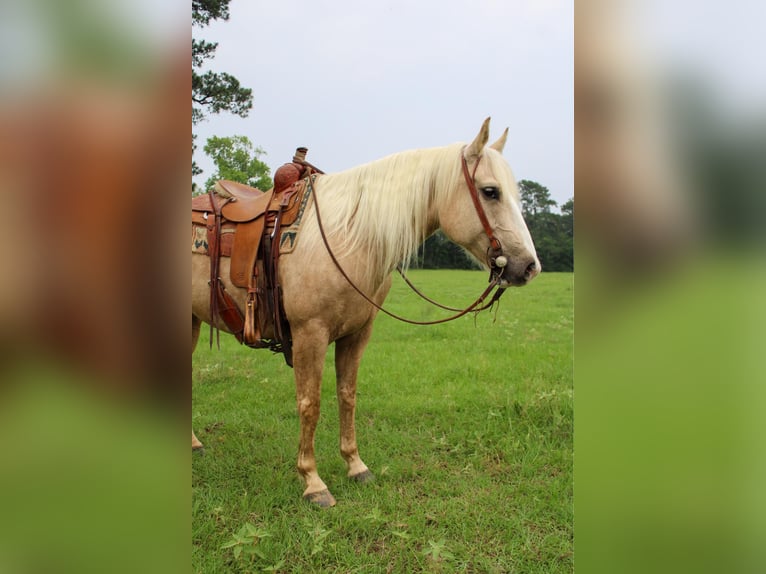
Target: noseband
(495, 258)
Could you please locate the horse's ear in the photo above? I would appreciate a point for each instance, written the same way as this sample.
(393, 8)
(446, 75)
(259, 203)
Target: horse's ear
(500, 143)
(477, 146)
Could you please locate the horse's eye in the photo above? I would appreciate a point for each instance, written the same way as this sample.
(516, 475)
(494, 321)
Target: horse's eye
(491, 192)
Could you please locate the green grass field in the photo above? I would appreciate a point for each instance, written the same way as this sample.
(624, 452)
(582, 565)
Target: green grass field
(467, 425)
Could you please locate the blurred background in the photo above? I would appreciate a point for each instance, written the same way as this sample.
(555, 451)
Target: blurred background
(670, 143)
(94, 386)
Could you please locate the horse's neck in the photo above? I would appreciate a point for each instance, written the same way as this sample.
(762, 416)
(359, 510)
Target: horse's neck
(386, 208)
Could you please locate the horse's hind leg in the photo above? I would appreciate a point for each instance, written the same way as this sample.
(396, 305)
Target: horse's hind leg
(196, 324)
(348, 355)
(309, 349)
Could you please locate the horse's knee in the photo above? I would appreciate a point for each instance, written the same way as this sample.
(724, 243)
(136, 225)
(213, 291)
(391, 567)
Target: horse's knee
(347, 397)
(308, 409)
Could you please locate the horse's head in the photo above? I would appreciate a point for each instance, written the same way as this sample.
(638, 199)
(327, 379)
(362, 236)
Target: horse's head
(489, 224)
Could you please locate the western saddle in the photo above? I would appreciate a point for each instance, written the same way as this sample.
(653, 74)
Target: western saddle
(245, 224)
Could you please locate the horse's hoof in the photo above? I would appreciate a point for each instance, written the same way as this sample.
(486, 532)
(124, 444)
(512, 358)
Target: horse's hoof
(363, 477)
(200, 450)
(323, 498)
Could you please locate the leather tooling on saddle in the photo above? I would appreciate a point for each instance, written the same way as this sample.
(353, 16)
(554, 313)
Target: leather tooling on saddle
(252, 228)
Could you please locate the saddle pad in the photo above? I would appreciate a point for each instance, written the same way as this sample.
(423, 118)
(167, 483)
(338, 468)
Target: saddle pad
(289, 236)
(201, 243)
(199, 239)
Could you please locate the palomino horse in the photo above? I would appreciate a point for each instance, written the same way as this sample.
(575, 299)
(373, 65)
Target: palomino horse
(375, 216)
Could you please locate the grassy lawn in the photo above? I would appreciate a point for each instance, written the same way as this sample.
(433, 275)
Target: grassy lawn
(467, 426)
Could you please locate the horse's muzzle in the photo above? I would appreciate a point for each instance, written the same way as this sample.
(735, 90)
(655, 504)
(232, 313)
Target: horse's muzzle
(519, 272)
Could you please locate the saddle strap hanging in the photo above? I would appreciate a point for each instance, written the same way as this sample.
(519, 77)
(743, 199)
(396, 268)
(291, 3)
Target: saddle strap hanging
(273, 287)
(229, 313)
(221, 304)
(252, 334)
(214, 250)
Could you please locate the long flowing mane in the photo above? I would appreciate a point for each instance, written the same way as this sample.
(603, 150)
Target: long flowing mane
(384, 209)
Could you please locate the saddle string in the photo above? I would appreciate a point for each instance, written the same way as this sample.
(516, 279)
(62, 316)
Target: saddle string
(477, 306)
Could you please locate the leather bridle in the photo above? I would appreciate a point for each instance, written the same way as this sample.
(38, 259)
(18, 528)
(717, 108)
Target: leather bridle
(495, 249)
(495, 259)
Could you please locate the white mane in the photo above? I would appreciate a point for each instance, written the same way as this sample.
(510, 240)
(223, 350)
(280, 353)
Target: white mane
(381, 209)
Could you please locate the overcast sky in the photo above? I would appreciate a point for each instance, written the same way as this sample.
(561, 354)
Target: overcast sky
(355, 81)
(719, 43)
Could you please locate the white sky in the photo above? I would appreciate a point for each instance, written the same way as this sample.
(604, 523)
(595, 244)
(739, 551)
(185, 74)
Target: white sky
(355, 81)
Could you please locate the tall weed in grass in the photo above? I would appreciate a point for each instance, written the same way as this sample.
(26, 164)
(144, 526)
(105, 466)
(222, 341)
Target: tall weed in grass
(467, 425)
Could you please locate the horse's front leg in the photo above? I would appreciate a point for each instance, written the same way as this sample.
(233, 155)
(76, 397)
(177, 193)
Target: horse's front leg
(348, 355)
(309, 349)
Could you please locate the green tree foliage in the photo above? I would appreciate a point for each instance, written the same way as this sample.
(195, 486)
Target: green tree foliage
(213, 92)
(238, 160)
(203, 11)
(553, 233)
(438, 252)
(535, 198)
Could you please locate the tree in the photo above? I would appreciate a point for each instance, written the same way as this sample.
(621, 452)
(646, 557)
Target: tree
(438, 252)
(535, 198)
(567, 217)
(552, 233)
(238, 160)
(203, 11)
(213, 92)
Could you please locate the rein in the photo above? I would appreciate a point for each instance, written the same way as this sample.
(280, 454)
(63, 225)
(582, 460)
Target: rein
(494, 258)
(422, 295)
